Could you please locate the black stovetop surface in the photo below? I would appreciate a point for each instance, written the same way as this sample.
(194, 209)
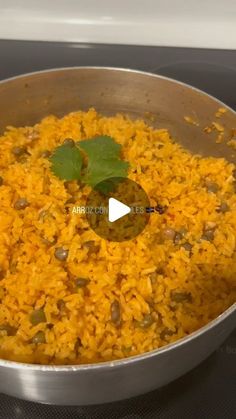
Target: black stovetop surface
(208, 391)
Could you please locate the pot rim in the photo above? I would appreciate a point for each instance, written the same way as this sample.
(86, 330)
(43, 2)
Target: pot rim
(122, 70)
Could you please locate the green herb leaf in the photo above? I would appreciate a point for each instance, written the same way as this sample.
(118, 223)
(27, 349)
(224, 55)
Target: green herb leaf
(67, 162)
(104, 162)
(100, 163)
(108, 185)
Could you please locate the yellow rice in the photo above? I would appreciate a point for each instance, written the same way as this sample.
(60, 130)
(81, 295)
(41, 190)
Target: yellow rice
(141, 274)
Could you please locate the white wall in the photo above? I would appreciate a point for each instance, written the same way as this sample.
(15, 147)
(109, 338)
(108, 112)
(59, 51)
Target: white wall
(191, 23)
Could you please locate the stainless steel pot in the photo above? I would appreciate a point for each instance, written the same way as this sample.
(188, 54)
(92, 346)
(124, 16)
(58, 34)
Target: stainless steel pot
(26, 99)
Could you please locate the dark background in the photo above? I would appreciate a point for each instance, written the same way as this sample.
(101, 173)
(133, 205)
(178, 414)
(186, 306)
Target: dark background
(209, 391)
(211, 70)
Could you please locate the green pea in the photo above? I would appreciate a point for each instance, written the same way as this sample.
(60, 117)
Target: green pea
(146, 322)
(115, 313)
(91, 246)
(187, 246)
(18, 151)
(21, 154)
(61, 254)
(37, 316)
(21, 204)
(169, 234)
(223, 207)
(39, 338)
(212, 187)
(166, 332)
(8, 329)
(181, 297)
(208, 235)
(82, 282)
(61, 305)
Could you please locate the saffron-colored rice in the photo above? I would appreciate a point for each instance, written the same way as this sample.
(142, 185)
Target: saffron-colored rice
(144, 275)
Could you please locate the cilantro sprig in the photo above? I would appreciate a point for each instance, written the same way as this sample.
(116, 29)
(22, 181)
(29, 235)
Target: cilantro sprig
(91, 161)
(67, 162)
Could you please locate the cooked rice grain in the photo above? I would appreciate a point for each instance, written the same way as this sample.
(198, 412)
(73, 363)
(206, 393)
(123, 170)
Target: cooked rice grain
(142, 275)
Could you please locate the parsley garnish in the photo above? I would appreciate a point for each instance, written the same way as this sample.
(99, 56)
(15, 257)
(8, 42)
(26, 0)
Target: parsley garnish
(91, 161)
(67, 162)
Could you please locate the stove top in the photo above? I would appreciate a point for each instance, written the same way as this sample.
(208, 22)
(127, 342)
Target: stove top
(208, 391)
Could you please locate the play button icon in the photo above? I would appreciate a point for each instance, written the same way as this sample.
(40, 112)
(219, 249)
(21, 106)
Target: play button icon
(117, 210)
